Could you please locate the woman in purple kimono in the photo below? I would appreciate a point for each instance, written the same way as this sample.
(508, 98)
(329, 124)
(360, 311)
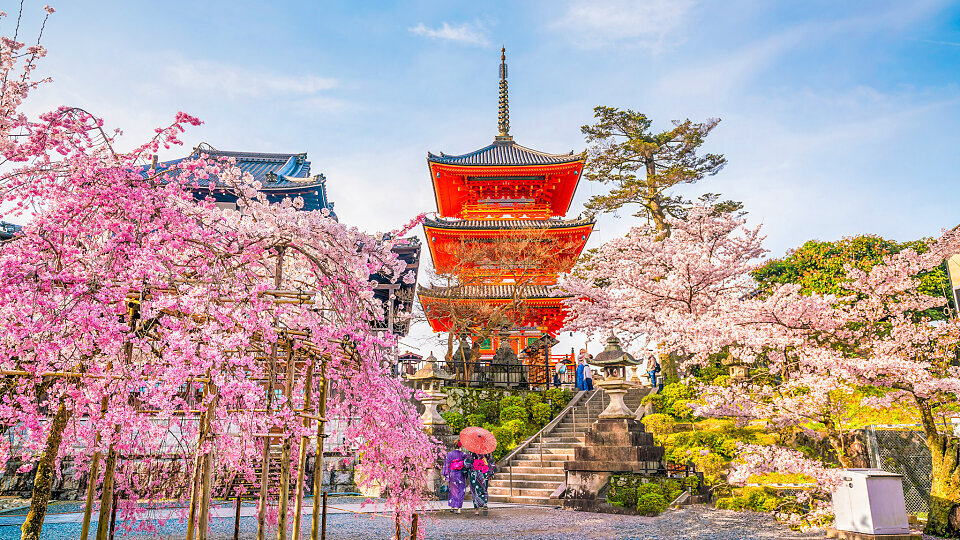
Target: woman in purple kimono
(454, 470)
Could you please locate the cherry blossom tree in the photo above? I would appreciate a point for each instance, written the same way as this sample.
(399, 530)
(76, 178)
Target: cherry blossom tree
(125, 291)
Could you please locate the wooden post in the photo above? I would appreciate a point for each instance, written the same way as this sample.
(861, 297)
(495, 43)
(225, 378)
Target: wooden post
(323, 524)
(207, 478)
(113, 516)
(106, 495)
(399, 532)
(265, 472)
(236, 521)
(315, 530)
(198, 461)
(91, 492)
(302, 461)
(413, 527)
(287, 441)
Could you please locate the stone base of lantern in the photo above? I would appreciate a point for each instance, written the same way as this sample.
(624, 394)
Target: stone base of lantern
(616, 388)
(612, 445)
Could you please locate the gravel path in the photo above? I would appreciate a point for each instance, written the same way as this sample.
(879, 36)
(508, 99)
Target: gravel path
(535, 523)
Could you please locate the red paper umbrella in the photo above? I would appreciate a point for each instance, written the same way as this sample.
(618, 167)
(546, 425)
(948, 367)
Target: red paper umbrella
(478, 440)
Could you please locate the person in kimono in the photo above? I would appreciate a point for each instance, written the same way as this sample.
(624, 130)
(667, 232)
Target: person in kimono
(481, 469)
(455, 472)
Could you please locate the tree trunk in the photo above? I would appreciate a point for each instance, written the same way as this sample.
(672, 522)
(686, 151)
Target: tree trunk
(43, 481)
(654, 199)
(944, 516)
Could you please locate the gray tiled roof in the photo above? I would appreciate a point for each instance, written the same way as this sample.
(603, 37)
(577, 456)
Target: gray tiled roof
(505, 152)
(488, 291)
(506, 223)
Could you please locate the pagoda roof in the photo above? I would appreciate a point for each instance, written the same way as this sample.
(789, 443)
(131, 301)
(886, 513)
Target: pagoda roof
(280, 175)
(488, 292)
(511, 224)
(505, 152)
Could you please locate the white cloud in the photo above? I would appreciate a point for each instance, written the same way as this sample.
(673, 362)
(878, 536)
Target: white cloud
(474, 33)
(646, 23)
(235, 82)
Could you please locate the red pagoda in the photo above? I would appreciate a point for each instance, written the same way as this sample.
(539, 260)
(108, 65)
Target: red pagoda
(503, 191)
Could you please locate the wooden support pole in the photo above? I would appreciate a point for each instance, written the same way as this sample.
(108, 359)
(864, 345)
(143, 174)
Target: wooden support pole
(91, 493)
(106, 495)
(113, 516)
(195, 482)
(316, 532)
(265, 472)
(413, 527)
(236, 521)
(302, 460)
(287, 443)
(399, 535)
(323, 524)
(207, 478)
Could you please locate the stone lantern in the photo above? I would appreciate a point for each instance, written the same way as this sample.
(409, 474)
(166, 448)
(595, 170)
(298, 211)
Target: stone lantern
(614, 361)
(431, 379)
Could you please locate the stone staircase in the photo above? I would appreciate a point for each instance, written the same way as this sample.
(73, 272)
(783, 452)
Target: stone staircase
(537, 471)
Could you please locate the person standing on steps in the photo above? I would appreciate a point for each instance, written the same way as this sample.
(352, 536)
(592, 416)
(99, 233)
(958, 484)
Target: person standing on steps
(588, 374)
(455, 472)
(481, 469)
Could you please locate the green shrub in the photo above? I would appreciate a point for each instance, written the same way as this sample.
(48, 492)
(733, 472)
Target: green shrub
(490, 410)
(672, 489)
(730, 503)
(540, 412)
(512, 413)
(651, 504)
(516, 429)
(659, 424)
(648, 488)
(532, 398)
(558, 397)
(624, 497)
(692, 482)
(505, 440)
(455, 420)
(510, 401)
(475, 420)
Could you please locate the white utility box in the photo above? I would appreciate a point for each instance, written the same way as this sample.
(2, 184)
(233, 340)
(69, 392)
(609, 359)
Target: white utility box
(870, 501)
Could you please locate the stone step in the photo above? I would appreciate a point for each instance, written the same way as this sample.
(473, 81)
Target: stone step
(525, 469)
(557, 478)
(521, 492)
(534, 450)
(524, 484)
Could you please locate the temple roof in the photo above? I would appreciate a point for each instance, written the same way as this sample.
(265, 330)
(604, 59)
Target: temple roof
(505, 152)
(515, 224)
(280, 174)
(470, 292)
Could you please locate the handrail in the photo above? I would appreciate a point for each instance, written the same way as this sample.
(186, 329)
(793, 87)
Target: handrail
(586, 404)
(545, 430)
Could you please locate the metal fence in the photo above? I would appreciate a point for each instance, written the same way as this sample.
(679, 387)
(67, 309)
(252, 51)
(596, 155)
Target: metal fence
(488, 374)
(902, 450)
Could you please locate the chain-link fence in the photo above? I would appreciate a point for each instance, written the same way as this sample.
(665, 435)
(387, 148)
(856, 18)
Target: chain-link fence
(902, 450)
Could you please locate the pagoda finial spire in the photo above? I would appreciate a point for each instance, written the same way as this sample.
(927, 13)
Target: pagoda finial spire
(504, 109)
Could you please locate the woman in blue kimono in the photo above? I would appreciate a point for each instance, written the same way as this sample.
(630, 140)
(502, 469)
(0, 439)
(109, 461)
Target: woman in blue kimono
(580, 364)
(481, 469)
(455, 470)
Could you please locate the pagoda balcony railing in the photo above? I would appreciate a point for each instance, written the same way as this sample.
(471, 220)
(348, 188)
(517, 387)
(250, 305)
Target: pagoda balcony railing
(502, 210)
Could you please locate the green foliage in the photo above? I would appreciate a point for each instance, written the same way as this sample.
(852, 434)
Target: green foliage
(641, 164)
(819, 267)
(659, 424)
(559, 397)
(505, 441)
(510, 401)
(540, 413)
(692, 483)
(674, 400)
(517, 429)
(455, 420)
(475, 420)
(531, 399)
(490, 410)
(757, 499)
(651, 504)
(515, 412)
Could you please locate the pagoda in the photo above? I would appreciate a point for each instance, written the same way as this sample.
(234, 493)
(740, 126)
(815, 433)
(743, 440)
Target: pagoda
(514, 195)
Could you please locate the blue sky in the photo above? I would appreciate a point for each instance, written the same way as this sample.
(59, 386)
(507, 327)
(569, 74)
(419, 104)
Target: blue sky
(838, 118)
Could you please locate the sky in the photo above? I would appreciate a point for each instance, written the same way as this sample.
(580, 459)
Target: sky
(838, 118)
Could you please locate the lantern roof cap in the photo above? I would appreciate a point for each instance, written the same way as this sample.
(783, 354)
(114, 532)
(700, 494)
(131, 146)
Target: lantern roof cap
(613, 355)
(430, 372)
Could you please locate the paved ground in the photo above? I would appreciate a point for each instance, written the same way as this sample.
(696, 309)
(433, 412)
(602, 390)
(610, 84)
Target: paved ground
(535, 523)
